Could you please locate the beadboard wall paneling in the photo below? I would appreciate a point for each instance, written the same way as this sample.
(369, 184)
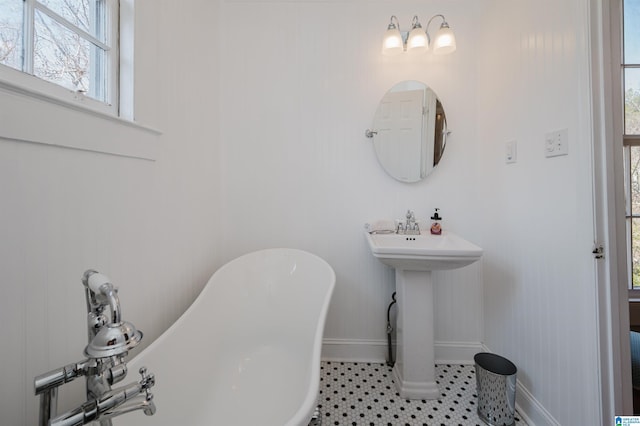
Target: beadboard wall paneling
(539, 298)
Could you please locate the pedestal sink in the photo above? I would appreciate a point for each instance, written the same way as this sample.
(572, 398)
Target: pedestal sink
(414, 257)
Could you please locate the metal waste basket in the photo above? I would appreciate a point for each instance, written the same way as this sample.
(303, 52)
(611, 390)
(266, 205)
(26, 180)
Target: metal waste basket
(496, 388)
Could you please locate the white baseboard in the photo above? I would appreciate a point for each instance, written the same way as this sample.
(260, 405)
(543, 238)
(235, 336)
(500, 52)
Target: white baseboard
(376, 351)
(456, 352)
(354, 350)
(529, 408)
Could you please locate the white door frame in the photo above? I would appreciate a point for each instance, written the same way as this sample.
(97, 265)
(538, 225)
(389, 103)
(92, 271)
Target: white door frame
(609, 224)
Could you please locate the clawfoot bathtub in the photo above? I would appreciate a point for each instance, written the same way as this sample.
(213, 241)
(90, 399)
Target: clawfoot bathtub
(247, 351)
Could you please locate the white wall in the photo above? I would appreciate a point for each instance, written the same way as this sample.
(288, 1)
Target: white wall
(300, 84)
(151, 226)
(540, 308)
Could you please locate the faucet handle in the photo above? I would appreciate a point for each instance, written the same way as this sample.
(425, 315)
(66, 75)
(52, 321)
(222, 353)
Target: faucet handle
(147, 382)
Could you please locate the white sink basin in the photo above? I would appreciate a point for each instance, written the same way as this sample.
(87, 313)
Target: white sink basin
(423, 252)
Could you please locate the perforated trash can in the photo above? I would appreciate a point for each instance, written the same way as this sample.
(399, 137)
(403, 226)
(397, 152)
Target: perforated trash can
(496, 388)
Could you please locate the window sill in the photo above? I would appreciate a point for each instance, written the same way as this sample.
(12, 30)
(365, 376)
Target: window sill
(32, 116)
(634, 295)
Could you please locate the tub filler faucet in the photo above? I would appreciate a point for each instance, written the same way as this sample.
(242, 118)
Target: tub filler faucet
(110, 339)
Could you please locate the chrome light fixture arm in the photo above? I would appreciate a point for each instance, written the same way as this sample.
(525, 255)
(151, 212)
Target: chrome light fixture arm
(392, 25)
(443, 25)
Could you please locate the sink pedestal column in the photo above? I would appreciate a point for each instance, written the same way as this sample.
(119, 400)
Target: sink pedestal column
(414, 371)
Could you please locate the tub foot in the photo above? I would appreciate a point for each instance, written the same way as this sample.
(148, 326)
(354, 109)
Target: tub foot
(316, 419)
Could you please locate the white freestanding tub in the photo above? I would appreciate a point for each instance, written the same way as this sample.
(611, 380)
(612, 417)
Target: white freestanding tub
(247, 352)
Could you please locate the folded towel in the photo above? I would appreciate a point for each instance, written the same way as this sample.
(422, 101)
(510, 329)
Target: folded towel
(384, 226)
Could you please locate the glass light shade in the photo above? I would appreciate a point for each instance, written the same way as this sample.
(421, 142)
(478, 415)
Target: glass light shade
(392, 42)
(445, 41)
(417, 41)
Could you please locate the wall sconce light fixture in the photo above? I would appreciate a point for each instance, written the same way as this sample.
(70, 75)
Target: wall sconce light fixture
(418, 40)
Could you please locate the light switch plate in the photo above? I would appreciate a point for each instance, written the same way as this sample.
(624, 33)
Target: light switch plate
(556, 143)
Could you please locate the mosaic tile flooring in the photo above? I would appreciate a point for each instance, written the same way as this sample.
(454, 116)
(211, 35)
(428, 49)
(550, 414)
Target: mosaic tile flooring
(360, 393)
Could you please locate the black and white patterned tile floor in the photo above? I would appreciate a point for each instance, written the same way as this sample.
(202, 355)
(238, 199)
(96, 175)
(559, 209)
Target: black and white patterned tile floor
(361, 393)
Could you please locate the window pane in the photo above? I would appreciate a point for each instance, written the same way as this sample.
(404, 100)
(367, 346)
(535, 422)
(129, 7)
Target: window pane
(626, 153)
(11, 33)
(634, 184)
(85, 14)
(632, 101)
(635, 252)
(634, 191)
(631, 32)
(63, 57)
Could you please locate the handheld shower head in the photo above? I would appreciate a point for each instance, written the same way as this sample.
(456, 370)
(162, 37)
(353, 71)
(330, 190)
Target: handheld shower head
(100, 291)
(112, 338)
(94, 280)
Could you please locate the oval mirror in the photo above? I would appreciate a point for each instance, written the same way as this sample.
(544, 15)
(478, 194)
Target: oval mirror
(409, 131)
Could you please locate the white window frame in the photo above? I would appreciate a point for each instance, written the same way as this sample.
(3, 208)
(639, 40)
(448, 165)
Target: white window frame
(29, 112)
(26, 83)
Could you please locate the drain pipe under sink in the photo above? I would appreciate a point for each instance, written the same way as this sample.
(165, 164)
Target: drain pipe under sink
(390, 361)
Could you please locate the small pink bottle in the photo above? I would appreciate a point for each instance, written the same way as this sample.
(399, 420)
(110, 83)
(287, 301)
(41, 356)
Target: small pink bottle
(436, 227)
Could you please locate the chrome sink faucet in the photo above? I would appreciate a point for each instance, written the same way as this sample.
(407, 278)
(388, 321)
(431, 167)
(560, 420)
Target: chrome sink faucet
(410, 227)
(110, 339)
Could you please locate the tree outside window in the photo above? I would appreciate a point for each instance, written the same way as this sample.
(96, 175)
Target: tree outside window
(61, 41)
